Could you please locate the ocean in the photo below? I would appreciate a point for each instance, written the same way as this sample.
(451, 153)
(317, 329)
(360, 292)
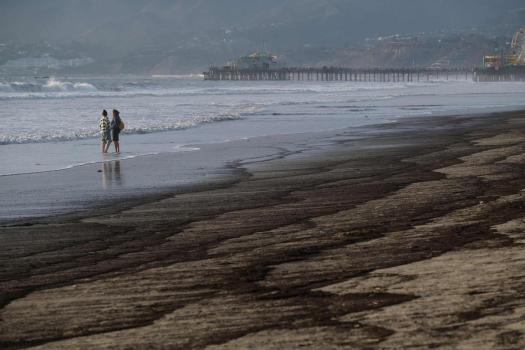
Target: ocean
(51, 123)
(43, 119)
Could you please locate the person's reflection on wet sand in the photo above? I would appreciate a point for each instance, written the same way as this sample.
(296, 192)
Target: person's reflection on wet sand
(106, 174)
(111, 174)
(117, 176)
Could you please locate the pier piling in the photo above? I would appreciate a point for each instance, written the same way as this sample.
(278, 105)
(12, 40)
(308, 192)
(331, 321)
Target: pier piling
(381, 75)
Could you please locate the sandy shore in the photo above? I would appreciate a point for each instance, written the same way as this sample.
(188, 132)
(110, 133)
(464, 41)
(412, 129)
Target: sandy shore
(413, 238)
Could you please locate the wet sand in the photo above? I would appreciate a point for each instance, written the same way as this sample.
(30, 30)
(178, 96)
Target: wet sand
(410, 238)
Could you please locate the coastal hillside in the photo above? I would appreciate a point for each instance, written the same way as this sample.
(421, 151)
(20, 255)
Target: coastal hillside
(419, 50)
(161, 36)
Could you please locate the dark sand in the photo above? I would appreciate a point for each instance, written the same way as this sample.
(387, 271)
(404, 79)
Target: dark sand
(413, 238)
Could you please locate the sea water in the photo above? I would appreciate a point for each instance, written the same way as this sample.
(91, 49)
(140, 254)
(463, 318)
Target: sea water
(52, 123)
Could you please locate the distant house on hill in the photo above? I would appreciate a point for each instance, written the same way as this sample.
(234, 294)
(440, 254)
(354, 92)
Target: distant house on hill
(257, 60)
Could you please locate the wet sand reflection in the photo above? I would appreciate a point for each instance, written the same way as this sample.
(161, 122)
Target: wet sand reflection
(111, 175)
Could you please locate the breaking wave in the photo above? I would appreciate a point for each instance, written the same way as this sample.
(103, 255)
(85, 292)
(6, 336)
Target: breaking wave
(65, 134)
(55, 88)
(50, 86)
(56, 85)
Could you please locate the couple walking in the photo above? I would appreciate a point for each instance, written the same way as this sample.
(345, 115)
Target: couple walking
(110, 130)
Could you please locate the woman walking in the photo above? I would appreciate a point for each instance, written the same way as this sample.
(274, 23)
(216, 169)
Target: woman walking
(116, 125)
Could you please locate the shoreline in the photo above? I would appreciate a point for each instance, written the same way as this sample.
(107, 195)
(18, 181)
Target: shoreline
(279, 144)
(366, 242)
(83, 205)
(254, 113)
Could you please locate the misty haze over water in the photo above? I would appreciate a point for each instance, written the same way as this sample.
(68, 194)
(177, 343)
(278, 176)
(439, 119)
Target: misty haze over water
(168, 37)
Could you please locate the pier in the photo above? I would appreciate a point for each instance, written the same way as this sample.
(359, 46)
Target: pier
(380, 75)
(509, 73)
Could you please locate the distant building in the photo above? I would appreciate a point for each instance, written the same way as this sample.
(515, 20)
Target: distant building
(492, 61)
(443, 63)
(257, 60)
(514, 57)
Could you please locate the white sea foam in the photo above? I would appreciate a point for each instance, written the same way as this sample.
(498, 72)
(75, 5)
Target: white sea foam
(68, 134)
(185, 148)
(57, 85)
(55, 88)
(44, 89)
(61, 111)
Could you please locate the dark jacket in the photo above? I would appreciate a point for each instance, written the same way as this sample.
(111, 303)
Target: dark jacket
(115, 122)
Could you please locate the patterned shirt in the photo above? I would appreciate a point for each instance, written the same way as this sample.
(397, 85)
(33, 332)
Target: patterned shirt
(103, 126)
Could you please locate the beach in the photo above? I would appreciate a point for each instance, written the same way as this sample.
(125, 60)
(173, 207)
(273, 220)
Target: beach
(182, 132)
(396, 235)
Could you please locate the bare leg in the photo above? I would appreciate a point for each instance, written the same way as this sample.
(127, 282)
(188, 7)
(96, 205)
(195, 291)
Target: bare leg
(107, 146)
(103, 146)
(117, 146)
